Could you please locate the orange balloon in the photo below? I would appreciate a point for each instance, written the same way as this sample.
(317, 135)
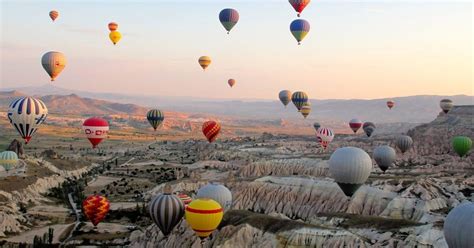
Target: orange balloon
(95, 207)
(211, 129)
(113, 26)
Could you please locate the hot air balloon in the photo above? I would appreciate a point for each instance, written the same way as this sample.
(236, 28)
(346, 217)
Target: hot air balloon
(459, 226)
(404, 142)
(299, 5)
(368, 128)
(285, 97)
(113, 26)
(350, 167)
(204, 216)
(305, 109)
(166, 210)
(299, 98)
(155, 117)
(390, 104)
(299, 28)
(462, 145)
(185, 199)
(53, 63)
(355, 124)
(115, 36)
(325, 136)
(228, 18)
(384, 156)
(217, 192)
(231, 82)
(8, 160)
(53, 14)
(204, 61)
(316, 126)
(95, 208)
(211, 129)
(446, 105)
(26, 114)
(96, 129)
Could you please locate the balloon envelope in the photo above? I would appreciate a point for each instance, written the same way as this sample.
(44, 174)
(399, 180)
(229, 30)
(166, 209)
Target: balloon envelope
(325, 136)
(95, 208)
(53, 63)
(113, 26)
(217, 192)
(384, 156)
(204, 61)
(390, 104)
(299, 29)
(459, 226)
(316, 126)
(115, 37)
(26, 114)
(462, 145)
(299, 5)
(228, 18)
(53, 14)
(446, 105)
(8, 160)
(305, 110)
(231, 82)
(211, 129)
(166, 210)
(96, 129)
(299, 99)
(204, 216)
(155, 117)
(285, 97)
(404, 142)
(355, 125)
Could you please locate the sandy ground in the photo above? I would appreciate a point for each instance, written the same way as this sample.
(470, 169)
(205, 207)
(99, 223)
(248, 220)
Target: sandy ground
(29, 235)
(50, 211)
(102, 181)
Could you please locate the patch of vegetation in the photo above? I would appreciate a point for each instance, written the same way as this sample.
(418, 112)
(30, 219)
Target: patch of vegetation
(377, 222)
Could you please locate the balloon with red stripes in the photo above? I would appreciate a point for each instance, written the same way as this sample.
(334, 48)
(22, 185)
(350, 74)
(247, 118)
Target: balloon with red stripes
(211, 129)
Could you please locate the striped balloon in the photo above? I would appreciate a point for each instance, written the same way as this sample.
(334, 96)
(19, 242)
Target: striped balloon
(384, 156)
(285, 97)
(95, 208)
(299, 28)
(305, 109)
(204, 62)
(204, 216)
(53, 63)
(390, 104)
(186, 199)
(96, 129)
(446, 105)
(53, 14)
(325, 136)
(231, 82)
(228, 18)
(355, 124)
(8, 160)
(211, 129)
(113, 26)
(155, 117)
(404, 142)
(299, 5)
(26, 114)
(299, 98)
(166, 210)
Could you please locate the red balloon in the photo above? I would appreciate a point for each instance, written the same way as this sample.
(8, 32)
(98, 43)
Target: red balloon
(299, 5)
(96, 129)
(355, 124)
(95, 207)
(211, 129)
(231, 82)
(390, 104)
(113, 26)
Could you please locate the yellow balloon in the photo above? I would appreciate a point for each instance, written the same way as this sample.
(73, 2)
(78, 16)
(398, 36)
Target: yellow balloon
(204, 61)
(204, 216)
(115, 36)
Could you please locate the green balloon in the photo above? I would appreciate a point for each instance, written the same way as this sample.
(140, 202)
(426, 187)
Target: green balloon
(462, 145)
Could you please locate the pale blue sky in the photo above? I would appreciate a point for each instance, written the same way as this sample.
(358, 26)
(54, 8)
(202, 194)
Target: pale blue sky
(354, 49)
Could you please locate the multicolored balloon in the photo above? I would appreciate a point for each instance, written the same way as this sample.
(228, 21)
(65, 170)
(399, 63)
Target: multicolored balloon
(96, 129)
(204, 61)
(390, 104)
(211, 129)
(305, 109)
(350, 167)
(299, 5)
(325, 136)
(285, 97)
(231, 82)
(53, 63)
(446, 105)
(299, 28)
(204, 216)
(355, 125)
(462, 145)
(53, 14)
(26, 114)
(186, 199)
(404, 142)
(166, 210)
(115, 37)
(384, 156)
(299, 98)
(155, 117)
(228, 18)
(218, 193)
(8, 160)
(113, 26)
(95, 208)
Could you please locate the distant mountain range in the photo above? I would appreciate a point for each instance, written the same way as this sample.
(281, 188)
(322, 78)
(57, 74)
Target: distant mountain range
(410, 109)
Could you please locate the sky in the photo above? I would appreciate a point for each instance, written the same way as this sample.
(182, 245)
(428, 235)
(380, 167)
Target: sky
(354, 50)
